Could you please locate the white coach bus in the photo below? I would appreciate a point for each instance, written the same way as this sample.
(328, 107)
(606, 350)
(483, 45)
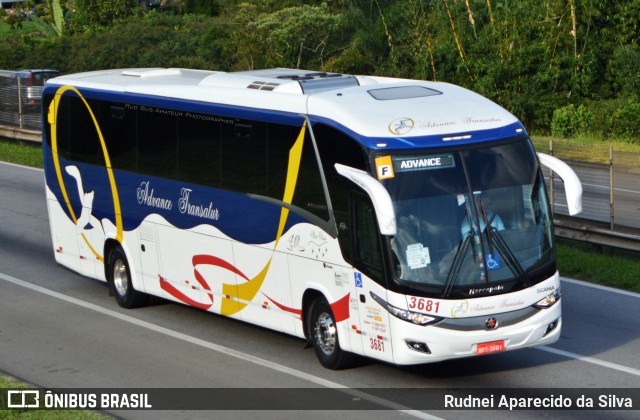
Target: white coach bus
(402, 220)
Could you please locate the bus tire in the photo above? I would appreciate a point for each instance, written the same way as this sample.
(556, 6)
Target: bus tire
(324, 337)
(119, 277)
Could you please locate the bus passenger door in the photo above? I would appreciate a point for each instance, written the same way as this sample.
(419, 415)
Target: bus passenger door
(369, 278)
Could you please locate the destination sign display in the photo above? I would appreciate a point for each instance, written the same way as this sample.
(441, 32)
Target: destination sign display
(421, 163)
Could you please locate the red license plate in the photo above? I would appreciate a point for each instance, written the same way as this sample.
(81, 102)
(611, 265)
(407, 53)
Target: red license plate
(492, 347)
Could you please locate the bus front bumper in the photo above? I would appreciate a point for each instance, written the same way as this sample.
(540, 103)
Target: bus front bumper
(458, 338)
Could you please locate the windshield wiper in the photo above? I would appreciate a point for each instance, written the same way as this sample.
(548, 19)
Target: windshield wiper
(458, 259)
(456, 265)
(503, 247)
(472, 230)
(487, 224)
(511, 259)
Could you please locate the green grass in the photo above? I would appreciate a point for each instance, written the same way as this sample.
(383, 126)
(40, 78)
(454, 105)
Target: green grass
(612, 267)
(34, 414)
(7, 32)
(21, 152)
(587, 148)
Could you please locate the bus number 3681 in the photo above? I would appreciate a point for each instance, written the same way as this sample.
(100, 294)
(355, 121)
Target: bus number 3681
(423, 304)
(376, 344)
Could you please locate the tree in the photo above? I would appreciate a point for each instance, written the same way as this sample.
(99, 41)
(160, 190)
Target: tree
(300, 36)
(103, 13)
(55, 23)
(202, 7)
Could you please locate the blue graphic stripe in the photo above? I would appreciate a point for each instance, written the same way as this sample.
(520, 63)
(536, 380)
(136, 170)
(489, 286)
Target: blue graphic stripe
(182, 204)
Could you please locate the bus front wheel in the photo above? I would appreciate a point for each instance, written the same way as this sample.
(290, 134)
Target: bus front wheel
(119, 277)
(324, 337)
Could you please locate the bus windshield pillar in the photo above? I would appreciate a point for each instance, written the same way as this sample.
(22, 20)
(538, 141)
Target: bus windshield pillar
(379, 197)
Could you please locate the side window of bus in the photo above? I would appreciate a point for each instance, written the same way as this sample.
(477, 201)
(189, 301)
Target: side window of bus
(118, 125)
(157, 144)
(337, 147)
(309, 193)
(281, 140)
(367, 251)
(63, 127)
(243, 163)
(77, 134)
(199, 157)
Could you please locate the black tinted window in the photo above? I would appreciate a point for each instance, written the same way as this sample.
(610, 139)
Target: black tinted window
(157, 142)
(199, 156)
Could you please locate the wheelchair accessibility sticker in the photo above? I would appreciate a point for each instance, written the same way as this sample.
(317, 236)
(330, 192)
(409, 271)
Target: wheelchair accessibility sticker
(493, 261)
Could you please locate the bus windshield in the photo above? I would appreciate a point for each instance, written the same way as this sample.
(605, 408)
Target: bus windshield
(470, 222)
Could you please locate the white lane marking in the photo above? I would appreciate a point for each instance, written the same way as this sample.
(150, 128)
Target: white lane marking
(221, 349)
(587, 359)
(600, 287)
(591, 360)
(606, 187)
(560, 182)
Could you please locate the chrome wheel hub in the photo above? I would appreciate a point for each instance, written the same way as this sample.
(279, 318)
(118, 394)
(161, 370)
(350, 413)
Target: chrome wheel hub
(325, 333)
(120, 278)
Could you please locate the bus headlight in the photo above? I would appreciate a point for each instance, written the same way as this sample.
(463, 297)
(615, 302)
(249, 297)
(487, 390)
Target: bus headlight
(548, 300)
(404, 314)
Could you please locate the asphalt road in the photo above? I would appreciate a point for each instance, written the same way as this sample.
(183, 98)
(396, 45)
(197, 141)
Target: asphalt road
(61, 330)
(596, 183)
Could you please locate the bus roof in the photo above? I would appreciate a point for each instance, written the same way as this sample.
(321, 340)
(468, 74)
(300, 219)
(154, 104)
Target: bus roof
(373, 107)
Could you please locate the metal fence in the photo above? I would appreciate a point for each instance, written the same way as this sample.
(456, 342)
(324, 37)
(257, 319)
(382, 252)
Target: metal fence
(611, 193)
(20, 103)
(611, 185)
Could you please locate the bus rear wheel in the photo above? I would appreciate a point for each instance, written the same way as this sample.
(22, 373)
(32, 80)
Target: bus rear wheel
(119, 277)
(324, 337)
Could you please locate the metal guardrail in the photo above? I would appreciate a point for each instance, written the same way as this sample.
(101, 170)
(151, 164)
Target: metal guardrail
(589, 231)
(611, 203)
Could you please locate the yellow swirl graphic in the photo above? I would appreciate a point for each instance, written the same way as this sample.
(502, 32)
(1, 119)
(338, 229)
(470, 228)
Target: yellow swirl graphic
(52, 118)
(247, 291)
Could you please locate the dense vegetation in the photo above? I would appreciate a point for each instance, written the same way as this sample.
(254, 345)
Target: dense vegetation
(563, 66)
